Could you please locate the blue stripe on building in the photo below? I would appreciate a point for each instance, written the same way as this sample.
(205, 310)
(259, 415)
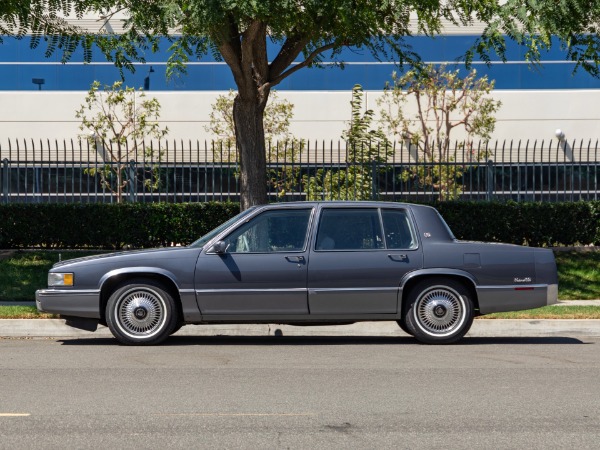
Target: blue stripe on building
(19, 65)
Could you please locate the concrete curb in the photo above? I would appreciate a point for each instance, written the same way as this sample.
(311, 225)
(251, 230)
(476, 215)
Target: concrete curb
(481, 328)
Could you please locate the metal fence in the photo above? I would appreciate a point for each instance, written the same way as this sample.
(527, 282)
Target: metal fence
(76, 171)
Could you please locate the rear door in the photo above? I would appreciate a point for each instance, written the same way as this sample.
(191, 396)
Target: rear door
(359, 257)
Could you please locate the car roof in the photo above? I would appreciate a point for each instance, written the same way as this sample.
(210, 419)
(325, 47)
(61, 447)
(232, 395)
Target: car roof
(348, 203)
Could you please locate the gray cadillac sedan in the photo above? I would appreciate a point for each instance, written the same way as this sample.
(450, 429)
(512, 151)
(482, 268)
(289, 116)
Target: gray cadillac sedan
(308, 263)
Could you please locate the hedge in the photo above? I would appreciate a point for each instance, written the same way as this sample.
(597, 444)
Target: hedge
(108, 226)
(141, 225)
(526, 223)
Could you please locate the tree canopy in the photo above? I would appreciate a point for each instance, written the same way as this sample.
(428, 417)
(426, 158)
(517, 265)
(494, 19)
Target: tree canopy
(308, 32)
(308, 28)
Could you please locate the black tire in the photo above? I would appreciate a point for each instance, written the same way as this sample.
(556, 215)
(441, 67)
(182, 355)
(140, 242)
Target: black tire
(440, 311)
(403, 327)
(177, 328)
(141, 312)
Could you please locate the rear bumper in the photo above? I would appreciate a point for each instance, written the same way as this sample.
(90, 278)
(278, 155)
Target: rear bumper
(78, 303)
(516, 297)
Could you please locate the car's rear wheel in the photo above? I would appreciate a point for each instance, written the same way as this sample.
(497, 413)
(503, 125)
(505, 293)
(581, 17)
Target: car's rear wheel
(141, 312)
(440, 311)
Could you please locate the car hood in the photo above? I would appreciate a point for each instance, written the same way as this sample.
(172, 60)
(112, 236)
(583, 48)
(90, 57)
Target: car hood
(175, 252)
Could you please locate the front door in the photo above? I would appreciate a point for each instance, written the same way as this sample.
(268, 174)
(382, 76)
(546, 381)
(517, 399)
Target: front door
(360, 256)
(263, 271)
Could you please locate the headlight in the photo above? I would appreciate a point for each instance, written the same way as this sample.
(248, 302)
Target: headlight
(60, 279)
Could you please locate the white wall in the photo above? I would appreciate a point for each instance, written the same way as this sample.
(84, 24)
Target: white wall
(537, 114)
(317, 116)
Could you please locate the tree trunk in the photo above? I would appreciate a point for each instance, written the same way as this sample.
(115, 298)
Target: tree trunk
(250, 137)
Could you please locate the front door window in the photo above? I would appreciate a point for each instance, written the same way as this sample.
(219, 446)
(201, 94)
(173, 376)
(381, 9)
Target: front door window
(272, 231)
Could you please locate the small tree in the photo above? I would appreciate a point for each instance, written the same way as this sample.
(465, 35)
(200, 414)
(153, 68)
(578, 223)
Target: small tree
(117, 119)
(445, 102)
(365, 147)
(281, 145)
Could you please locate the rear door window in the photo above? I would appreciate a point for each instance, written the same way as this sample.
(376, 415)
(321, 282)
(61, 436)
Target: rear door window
(350, 229)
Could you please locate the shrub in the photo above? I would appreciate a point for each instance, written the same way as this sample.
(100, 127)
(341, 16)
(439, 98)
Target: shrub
(527, 223)
(142, 225)
(109, 226)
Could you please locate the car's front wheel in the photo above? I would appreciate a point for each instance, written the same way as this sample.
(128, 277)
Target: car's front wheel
(440, 311)
(402, 324)
(141, 312)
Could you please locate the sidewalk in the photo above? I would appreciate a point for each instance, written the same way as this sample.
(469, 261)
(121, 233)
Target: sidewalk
(578, 303)
(55, 328)
(481, 328)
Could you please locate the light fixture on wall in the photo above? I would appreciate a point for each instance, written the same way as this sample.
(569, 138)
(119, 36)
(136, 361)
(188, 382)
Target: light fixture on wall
(560, 134)
(39, 82)
(147, 79)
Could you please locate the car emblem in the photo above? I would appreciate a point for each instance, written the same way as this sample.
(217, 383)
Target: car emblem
(523, 280)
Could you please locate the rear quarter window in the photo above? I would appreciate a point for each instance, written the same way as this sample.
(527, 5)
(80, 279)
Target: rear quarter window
(398, 230)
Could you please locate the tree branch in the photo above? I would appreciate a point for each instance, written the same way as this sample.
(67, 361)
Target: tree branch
(288, 53)
(297, 67)
(231, 50)
(426, 148)
(105, 18)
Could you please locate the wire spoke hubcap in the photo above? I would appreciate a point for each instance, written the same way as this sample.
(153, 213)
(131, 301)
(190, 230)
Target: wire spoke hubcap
(141, 313)
(440, 311)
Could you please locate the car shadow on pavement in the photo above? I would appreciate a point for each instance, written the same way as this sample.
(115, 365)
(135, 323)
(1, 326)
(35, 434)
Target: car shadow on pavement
(258, 340)
(329, 340)
(514, 340)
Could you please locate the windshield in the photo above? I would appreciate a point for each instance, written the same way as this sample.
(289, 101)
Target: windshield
(211, 234)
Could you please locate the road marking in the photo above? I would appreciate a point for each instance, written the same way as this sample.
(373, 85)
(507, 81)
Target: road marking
(240, 414)
(15, 414)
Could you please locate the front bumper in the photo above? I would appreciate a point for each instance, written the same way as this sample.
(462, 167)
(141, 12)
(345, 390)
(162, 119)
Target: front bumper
(69, 302)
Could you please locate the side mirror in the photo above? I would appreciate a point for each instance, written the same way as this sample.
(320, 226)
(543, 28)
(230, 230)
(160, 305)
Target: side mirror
(220, 247)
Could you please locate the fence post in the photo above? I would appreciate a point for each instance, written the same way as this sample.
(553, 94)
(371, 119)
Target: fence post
(490, 180)
(374, 179)
(5, 180)
(131, 186)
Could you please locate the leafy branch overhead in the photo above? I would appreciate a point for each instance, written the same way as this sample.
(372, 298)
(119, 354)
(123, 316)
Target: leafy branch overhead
(305, 33)
(236, 31)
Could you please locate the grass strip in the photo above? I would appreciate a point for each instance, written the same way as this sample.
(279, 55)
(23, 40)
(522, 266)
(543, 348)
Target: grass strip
(22, 273)
(578, 275)
(23, 312)
(550, 312)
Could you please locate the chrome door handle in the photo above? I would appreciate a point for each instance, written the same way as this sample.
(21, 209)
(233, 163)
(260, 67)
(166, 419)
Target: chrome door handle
(298, 259)
(402, 258)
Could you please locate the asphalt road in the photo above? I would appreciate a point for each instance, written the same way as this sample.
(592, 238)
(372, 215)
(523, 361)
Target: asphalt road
(300, 392)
